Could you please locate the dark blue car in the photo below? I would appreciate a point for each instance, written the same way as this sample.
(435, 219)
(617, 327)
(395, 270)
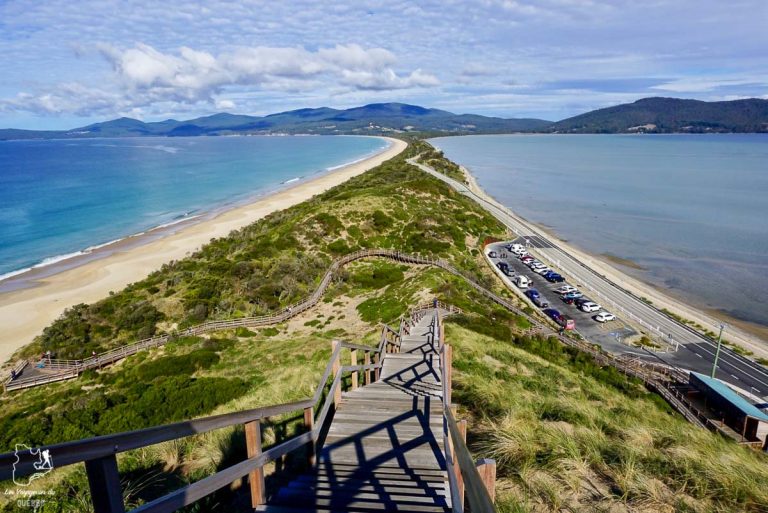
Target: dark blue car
(532, 293)
(554, 277)
(553, 314)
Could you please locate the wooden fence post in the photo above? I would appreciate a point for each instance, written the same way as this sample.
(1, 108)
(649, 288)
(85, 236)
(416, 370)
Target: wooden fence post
(462, 425)
(336, 372)
(487, 470)
(367, 372)
(447, 372)
(309, 424)
(256, 477)
(353, 358)
(104, 482)
(376, 371)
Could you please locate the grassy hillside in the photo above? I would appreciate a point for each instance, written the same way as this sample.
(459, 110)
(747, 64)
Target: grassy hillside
(567, 433)
(281, 259)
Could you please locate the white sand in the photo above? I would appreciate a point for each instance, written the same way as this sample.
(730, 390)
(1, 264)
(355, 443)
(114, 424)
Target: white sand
(24, 313)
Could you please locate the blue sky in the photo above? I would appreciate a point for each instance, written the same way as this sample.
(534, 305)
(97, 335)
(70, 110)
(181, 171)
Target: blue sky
(68, 63)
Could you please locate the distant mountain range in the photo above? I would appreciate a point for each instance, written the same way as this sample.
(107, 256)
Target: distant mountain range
(377, 118)
(654, 115)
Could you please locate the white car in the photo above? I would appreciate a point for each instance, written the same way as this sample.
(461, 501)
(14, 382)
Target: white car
(538, 265)
(589, 306)
(544, 270)
(605, 317)
(566, 289)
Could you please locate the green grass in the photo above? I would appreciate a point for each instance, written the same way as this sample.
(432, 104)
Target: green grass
(568, 434)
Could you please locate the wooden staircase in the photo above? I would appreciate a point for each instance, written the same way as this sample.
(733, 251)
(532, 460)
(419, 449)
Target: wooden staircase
(384, 450)
(379, 437)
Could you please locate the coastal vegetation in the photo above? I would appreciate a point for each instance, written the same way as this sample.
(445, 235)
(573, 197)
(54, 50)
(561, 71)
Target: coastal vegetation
(568, 434)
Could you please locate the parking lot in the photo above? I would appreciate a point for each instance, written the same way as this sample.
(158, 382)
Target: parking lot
(609, 335)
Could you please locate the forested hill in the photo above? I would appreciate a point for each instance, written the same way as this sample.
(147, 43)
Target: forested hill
(649, 115)
(373, 119)
(665, 115)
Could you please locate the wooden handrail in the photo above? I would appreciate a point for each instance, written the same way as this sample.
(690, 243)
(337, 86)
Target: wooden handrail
(99, 453)
(78, 451)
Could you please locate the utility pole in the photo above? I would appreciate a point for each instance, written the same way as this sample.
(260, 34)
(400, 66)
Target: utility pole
(717, 353)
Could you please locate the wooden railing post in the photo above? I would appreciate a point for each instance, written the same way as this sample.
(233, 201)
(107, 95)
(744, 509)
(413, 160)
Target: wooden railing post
(336, 370)
(462, 424)
(376, 371)
(256, 477)
(367, 372)
(487, 469)
(104, 482)
(353, 358)
(309, 424)
(448, 373)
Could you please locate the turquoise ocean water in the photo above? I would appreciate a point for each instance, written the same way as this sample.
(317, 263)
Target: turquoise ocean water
(692, 210)
(59, 198)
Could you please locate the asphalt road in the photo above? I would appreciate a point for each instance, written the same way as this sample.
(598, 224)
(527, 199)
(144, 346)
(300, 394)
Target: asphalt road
(696, 352)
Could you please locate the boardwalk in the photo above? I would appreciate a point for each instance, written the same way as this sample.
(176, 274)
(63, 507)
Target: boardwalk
(384, 449)
(387, 444)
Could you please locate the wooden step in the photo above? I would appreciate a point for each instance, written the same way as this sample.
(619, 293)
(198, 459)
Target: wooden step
(399, 495)
(325, 481)
(344, 502)
(378, 471)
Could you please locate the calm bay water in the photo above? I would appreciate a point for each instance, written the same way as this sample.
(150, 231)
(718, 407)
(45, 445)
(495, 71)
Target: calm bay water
(691, 210)
(60, 197)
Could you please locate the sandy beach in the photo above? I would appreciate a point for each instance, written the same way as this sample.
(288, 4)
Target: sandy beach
(24, 313)
(746, 335)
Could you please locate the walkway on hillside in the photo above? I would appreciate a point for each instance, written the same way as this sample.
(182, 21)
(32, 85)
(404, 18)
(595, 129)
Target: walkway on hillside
(384, 449)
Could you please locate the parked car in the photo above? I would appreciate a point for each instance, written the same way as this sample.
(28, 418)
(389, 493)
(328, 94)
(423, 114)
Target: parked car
(565, 289)
(493, 254)
(503, 267)
(552, 314)
(517, 249)
(580, 301)
(543, 271)
(532, 293)
(589, 307)
(540, 302)
(573, 295)
(554, 277)
(568, 300)
(526, 258)
(522, 281)
(604, 317)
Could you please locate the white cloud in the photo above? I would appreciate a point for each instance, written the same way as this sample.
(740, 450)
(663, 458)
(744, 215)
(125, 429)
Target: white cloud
(707, 84)
(145, 76)
(224, 104)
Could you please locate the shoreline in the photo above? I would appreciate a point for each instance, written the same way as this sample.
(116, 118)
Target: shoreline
(750, 336)
(45, 292)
